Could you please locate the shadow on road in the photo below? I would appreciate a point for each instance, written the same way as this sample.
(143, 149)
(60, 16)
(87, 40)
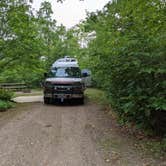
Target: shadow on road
(67, 103)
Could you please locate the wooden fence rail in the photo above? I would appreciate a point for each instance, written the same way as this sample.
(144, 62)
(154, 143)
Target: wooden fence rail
(15, 87)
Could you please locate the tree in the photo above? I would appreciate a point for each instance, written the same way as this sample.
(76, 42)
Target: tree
(19, 35)
(127, 57)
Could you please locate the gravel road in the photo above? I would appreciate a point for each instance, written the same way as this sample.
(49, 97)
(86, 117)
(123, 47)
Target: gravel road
(47, 136)
(38, 135)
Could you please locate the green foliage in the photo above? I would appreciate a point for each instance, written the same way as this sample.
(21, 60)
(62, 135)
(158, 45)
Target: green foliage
(127, 57)
(4, 105)
(97, 95)
(5, 95)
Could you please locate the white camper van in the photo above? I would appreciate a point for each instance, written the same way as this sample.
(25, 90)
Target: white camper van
(64, 81)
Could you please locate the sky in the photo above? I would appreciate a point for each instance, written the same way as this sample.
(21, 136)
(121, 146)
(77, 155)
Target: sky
(71, 12)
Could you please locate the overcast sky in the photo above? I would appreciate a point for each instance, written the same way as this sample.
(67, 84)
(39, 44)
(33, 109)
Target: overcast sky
(71, 12)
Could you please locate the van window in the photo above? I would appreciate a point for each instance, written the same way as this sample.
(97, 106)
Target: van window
(70, 72)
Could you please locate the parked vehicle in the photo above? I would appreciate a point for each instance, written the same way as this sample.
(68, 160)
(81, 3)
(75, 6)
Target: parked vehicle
(64, 81)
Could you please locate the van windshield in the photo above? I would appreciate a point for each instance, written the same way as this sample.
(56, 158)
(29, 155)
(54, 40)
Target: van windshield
(70, 72)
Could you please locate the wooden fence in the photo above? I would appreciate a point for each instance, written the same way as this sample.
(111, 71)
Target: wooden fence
(15, 87)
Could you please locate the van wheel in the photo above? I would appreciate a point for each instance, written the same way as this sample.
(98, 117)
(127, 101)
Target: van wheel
(81, 101)
(46, 100)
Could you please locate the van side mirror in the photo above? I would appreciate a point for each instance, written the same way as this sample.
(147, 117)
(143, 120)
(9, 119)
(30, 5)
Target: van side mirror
(84, 74)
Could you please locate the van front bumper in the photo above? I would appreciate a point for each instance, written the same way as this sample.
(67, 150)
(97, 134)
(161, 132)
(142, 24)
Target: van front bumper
(64, 96)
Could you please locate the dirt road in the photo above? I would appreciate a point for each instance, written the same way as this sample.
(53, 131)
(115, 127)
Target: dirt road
(40, 135)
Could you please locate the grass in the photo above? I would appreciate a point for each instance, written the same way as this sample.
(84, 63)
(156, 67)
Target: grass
(97, 96)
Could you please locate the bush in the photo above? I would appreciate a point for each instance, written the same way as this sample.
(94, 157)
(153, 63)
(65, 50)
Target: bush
(4, 105)
(5, 95)
(128, 59)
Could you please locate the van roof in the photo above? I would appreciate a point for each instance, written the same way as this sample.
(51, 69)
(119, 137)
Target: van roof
(65, 62)
(66, 59)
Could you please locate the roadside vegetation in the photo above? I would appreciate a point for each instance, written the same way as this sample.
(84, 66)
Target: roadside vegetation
(97, 96)
(5, 100)
(127, 59)
(149, 145)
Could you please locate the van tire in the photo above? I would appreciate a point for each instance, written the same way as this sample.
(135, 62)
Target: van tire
(81, 101)
(46, 100)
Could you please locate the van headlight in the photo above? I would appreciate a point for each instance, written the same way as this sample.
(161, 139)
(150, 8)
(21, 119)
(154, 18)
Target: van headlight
(48, 84)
